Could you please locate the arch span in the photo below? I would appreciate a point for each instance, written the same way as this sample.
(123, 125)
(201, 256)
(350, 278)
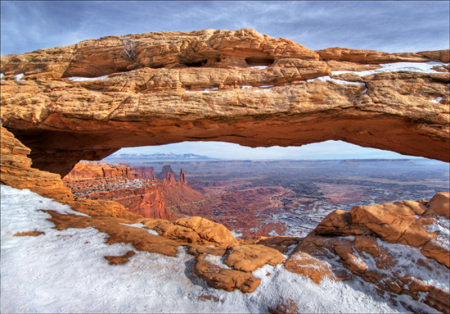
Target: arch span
(253, 90)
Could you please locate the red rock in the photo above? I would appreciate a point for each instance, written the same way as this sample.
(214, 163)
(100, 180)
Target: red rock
(208, 230)
(440, 204)
(182, 180)
(251, 257)
(131, 187)
(226, 279)
(310, 267)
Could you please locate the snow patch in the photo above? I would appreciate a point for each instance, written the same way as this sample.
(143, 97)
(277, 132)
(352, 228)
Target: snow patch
(442, 227)
(260, 67)
(18, 77)
(407, 263)
(216, 260)
(424, 67)
(265, 86)
(329, 79)
(246, 86)
(437, 100)
(78, 79)
(273, 233)
(207, 90)
(236, 234)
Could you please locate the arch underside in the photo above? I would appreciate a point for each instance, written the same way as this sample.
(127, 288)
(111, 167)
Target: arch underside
(58, 151)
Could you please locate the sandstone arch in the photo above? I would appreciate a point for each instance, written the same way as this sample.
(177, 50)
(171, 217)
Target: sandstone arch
(234, 86)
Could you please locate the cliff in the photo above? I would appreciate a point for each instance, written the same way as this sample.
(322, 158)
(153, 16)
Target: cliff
(134, 188)
(213, 85)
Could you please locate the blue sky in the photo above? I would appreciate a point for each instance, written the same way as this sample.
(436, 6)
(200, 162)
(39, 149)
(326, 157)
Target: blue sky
(391, 26)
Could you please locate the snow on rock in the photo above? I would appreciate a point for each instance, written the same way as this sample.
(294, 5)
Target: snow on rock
(79, 79)
(18, 77)
(437, 100)
(65, 271)
(425, 67)
(329, 79)
(259, 67)
(442, 227)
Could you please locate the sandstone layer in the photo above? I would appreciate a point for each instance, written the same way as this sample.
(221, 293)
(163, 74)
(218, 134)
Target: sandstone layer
(234, 86)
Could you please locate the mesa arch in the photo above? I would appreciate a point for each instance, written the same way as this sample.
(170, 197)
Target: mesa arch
(233, 86)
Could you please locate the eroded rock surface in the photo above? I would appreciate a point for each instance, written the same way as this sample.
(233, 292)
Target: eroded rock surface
(234, 86)
(398, 247)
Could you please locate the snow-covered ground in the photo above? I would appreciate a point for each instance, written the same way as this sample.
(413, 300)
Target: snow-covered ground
(64, 271)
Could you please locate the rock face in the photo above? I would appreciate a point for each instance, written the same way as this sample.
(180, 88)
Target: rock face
(135, 188)
(16, 170)
(234, 86)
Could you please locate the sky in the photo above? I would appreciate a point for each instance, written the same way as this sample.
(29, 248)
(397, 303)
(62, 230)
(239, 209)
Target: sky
(391, 26)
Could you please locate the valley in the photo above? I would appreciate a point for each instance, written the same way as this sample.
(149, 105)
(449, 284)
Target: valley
(261, 198)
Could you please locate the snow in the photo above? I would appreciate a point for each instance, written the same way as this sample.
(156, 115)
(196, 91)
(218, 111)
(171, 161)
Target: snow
(236, 234)
(273, 233)
(142, 226)
(409, 261)
(78, 79)
(260, 67)
(65, 271)
(207, 90)
(329, 79)
(2, 75)
(18, 77)
(246, 86)
(442, 227)
(437, 100)
(216, 260)
(424, 67)
(265, 86)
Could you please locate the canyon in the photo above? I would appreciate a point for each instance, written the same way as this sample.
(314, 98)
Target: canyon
(136, 188)
(264, 198)
(85, 101)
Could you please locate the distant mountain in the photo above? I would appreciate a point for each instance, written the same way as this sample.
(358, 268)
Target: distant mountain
(157, 157)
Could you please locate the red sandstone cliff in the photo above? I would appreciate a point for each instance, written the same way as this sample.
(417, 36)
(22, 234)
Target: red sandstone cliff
(135, 188)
